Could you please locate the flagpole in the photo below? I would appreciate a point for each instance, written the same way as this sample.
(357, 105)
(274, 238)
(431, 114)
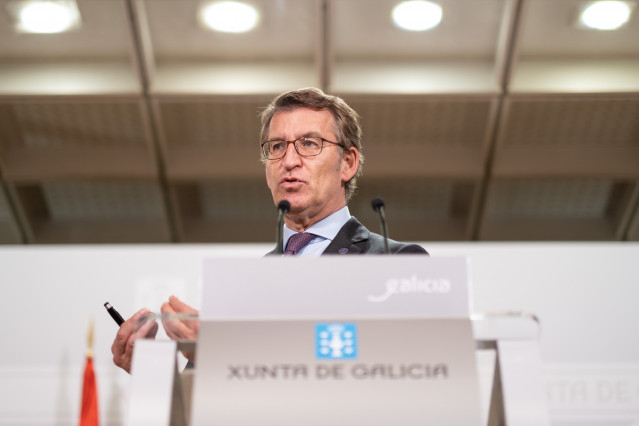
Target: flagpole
(90, 339)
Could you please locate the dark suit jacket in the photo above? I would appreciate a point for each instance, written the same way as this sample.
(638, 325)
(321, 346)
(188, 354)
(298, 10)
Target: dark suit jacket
(354, 238)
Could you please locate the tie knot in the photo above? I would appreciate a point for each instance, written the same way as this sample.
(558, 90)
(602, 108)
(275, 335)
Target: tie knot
(297, 242)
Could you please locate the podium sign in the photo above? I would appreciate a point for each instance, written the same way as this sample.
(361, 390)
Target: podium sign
(373, 340)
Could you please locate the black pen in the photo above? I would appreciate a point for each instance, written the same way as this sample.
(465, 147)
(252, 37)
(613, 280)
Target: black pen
(114, 314)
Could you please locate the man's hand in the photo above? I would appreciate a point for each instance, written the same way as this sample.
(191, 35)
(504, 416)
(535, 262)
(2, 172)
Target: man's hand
(180, 329)
(129, 332)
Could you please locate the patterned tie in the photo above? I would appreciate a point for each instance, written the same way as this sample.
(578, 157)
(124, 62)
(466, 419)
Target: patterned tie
(297, 242)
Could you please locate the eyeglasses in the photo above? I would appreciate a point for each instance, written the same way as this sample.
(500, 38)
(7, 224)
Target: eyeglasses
(306, 147)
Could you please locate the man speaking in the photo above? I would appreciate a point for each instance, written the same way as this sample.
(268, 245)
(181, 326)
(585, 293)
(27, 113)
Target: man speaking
(311, 148)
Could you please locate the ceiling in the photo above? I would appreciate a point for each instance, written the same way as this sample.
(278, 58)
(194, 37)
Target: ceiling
(506, 122)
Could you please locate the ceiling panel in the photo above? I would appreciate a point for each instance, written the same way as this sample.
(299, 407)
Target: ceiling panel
(469, 29)
(75, 137)
(68, 201)
(184, 58)
(424, 136)
(550, 198)
(555, 55)
(46, 124)
(103, 34)
(584, 121)
(287, 29)
(212, 123)
(549, 29)
(95, 58)
(577, 135)
(210, 137)
(405, 121)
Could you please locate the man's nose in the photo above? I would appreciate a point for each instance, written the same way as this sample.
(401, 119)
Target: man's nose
(292, 158)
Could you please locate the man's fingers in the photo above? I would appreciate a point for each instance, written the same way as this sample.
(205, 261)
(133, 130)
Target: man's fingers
(148, 330)
(167, 309)
(126, 329)
(178, 306)
(177, 329)
(122, 347)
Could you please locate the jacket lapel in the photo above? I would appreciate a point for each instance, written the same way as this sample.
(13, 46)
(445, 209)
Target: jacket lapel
(351, 239)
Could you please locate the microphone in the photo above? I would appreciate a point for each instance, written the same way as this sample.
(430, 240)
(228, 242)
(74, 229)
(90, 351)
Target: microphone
(378, 206)
(283, 207)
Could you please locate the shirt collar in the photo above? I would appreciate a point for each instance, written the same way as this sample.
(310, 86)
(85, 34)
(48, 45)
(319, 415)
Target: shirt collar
(326, 228)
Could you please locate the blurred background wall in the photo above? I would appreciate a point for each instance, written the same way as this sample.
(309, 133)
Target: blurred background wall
(510, 120)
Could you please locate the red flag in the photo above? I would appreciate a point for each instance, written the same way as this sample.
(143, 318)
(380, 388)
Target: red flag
(89, 414)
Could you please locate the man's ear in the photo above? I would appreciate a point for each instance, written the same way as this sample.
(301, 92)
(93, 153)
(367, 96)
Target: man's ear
(350, 163)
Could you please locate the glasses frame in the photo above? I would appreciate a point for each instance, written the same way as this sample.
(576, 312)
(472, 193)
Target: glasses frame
(294, 142)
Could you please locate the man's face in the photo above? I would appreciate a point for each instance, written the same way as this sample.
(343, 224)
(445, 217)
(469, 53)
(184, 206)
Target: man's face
(313, 185)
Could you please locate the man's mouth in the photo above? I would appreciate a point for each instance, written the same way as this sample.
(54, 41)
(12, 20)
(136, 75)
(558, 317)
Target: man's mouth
(290, 182)
(290, 179)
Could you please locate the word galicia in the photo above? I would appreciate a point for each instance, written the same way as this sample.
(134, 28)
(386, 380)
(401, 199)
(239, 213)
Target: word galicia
(412, 285)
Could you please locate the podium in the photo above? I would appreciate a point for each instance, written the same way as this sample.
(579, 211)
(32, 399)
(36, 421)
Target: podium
(393, 345)
(509, 364)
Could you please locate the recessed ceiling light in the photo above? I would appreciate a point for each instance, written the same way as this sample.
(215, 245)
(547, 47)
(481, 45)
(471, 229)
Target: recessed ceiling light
(229, 16)
(606, 15)
(46, 16)
(417, 15)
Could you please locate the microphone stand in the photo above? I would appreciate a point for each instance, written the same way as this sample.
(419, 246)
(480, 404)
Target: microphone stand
(378, 206)
(283, 207)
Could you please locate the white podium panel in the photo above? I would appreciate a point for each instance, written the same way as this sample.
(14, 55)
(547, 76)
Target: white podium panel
(373, 340)
(525, 400)
(156, 389)
(271, 376)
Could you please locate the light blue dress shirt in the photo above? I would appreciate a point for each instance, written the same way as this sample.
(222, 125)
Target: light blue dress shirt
(325, 231)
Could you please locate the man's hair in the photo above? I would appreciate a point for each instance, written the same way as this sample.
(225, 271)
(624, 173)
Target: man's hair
(347, 127)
